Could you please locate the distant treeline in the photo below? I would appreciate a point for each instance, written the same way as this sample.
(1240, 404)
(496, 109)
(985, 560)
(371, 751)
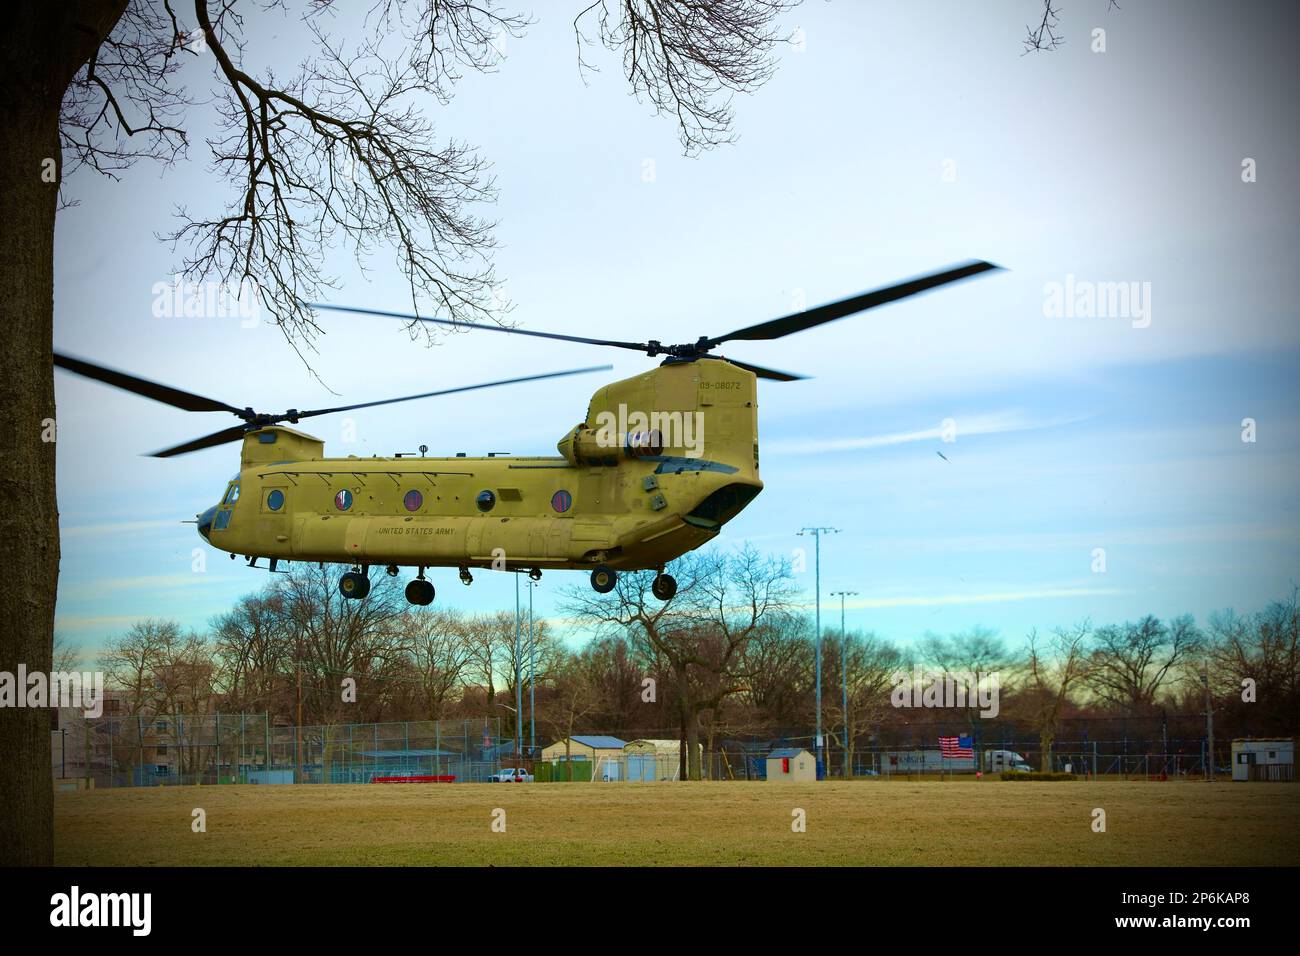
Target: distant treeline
(731, 656)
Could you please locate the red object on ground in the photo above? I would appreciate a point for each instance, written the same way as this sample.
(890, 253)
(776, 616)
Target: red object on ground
(446, 778)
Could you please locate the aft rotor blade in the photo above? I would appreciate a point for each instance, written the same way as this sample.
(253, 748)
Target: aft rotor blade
(452, 391)
(799, 321)
(175, 397)
(234, 433)
(412, 317)
(774, 374)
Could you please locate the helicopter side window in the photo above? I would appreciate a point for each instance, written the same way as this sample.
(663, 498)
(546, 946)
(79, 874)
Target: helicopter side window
(232, 495)
(486, 500)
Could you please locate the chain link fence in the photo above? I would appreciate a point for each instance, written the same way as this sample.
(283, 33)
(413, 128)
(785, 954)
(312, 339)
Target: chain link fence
(173, 750)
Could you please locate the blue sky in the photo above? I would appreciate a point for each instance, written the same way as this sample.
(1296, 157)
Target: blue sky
(1072, 433)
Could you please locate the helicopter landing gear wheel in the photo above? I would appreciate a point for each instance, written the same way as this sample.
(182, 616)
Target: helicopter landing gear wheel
(535, 574)
(354, 585)
(664, 587)
(603, 579)
(420, 592)
(465, 577)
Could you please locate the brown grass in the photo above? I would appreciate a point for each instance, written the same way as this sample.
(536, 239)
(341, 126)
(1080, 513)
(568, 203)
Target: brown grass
(875, 824)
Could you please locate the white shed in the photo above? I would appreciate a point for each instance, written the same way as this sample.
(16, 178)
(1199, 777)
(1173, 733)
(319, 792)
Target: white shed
(792, 763)
(1263, 758)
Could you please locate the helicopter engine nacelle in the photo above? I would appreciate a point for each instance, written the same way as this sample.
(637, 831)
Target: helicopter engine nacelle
(591, 446)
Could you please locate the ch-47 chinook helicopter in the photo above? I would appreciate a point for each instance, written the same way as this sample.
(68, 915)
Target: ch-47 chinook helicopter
(660, 463)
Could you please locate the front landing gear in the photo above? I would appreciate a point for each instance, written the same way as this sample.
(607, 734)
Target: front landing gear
(420, 592)
(603, 579)
(354, 585)
(664, 587)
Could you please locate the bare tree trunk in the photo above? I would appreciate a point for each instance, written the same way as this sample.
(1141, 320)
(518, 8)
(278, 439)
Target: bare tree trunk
(683, 772)
(42, 47)
(1045, 740)
(693, 747)
(29, 522)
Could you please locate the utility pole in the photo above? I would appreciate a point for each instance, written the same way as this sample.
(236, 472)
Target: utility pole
(1209, 725)
(844, 673)
(297, 736)
(532, 687)
(519, 690)
(817, 537)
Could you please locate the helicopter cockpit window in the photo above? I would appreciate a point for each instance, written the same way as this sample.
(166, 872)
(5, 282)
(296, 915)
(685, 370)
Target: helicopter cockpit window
(486, 500)
(232, 495)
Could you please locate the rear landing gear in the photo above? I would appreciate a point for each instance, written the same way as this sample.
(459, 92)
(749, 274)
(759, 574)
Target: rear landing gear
(465, 577)
(603, 579)
(420, 592)
(664, 587)
(354, 585)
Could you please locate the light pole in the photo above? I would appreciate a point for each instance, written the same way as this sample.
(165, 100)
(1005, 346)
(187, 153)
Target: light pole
(519, 690)
(1209, 725)
(844, 673)
(817, 537)
(532, 687)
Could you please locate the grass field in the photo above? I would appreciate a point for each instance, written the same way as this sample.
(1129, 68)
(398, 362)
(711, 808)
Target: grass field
(854, 823)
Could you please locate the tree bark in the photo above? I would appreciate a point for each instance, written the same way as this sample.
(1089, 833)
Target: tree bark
(29, 523)
(43, 46)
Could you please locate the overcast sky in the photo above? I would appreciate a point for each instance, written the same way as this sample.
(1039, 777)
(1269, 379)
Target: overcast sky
(900, 138)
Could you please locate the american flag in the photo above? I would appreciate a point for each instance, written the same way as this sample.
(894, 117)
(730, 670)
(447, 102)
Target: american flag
(957, 746)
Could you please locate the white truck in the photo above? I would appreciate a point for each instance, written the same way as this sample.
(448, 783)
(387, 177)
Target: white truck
(511, 775)
(995, 761)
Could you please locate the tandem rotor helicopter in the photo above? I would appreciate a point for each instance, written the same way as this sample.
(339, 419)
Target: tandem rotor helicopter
(661, 462)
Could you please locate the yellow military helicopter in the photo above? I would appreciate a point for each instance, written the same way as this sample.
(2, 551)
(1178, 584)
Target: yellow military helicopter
(660, 463)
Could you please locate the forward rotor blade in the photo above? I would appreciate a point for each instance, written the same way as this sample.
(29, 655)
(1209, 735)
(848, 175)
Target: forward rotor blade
(234, 433)
(452, 391)
(774, 374)
(411, 317)
(799, 321)
(175, 397)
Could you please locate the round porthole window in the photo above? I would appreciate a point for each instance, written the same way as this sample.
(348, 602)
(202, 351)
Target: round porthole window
(486, 500)
(343, 500)
(275, 500)
(413, 501)
(561, 501)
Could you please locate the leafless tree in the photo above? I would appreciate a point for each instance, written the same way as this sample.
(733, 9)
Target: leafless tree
(335, 152)
(1046, 35)
(438, 643)
(1130, 664)
(723, 601)
(1055, 666)
(255, 653)
(870, 663)
(571, 698)
(688, 58)
(1254, 667)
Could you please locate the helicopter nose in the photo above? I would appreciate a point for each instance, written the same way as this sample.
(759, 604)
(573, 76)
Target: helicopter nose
(205, 521)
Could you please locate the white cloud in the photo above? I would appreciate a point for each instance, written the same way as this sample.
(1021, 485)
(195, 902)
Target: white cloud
(983, 424)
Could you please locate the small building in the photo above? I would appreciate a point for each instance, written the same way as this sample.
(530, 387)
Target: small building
(604, 752)
(791, 763)
(1263, 758)
(654, 759)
